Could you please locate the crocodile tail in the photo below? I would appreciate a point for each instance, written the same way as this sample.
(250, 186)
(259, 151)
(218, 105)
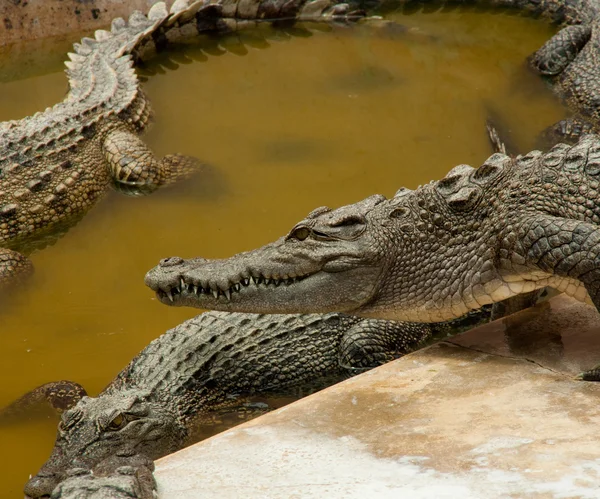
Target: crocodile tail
(100, 70)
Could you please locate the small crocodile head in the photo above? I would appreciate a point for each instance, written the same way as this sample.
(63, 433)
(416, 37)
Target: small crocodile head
(99, 432)
(330, 261)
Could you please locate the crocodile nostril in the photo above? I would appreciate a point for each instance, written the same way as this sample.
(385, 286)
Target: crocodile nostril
(41, 486)
(171, 261)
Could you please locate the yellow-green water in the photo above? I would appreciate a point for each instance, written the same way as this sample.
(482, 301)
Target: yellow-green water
(308, 121)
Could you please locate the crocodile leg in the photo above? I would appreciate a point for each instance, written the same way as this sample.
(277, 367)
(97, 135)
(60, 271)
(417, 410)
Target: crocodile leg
(591, 374)
(558, 52)
(135, 169)
(499, 144)
(13, 266)
(551, 60)
(372, 342)
(566, 248)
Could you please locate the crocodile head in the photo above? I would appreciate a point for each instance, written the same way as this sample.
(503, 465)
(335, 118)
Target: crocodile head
(99, 433)
(332, 260)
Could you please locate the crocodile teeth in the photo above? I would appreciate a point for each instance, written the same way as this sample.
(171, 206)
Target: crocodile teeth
(215, 293)
(245, 282)
(253, 280)
(195, 290)
(170, 295)
(182, 283)
(227, 294)
(237, 287)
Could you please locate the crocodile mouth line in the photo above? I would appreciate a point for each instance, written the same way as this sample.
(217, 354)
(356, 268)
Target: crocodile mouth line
(259, 283)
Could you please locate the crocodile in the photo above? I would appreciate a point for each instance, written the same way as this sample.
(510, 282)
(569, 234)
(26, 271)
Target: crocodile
(475, 237)
(211, 362)
(58, 163)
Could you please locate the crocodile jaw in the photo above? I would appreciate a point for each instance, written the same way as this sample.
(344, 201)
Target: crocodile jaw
(264, 294)
(269, 280)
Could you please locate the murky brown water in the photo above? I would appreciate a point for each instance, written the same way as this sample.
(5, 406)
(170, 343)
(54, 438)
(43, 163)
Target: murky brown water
(326, 119)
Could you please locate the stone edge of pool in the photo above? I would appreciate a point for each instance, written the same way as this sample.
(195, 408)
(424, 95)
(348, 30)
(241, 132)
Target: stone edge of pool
(38, 19)
(494, 412)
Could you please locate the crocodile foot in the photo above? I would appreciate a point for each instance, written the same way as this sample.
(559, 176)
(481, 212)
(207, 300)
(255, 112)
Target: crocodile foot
(13, 267)
(590, 375)
(569, 131)
(136, 171)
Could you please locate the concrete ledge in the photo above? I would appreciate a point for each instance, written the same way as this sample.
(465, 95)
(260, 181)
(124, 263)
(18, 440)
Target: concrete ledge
(469, 418)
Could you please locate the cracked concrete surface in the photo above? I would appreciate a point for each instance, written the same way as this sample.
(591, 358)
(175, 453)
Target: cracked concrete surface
(561, 334)
(492, 413)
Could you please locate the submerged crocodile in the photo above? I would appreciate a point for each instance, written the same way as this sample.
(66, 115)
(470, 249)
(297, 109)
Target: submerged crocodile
(57, 163)
(207, 363)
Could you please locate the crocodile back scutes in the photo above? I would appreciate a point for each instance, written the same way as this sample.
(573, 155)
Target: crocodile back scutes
(102, 84)
(463, 187)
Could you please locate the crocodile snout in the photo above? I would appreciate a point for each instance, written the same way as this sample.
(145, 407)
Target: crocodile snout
(165, 274)
(168, 272)
(41, 485)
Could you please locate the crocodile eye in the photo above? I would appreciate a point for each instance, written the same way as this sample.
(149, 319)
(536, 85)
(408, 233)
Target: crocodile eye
(117, 423)
(301, 233)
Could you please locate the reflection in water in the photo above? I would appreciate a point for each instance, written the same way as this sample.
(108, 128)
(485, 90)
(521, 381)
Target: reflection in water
(295, 152)
(366, 79)
(86, 311)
